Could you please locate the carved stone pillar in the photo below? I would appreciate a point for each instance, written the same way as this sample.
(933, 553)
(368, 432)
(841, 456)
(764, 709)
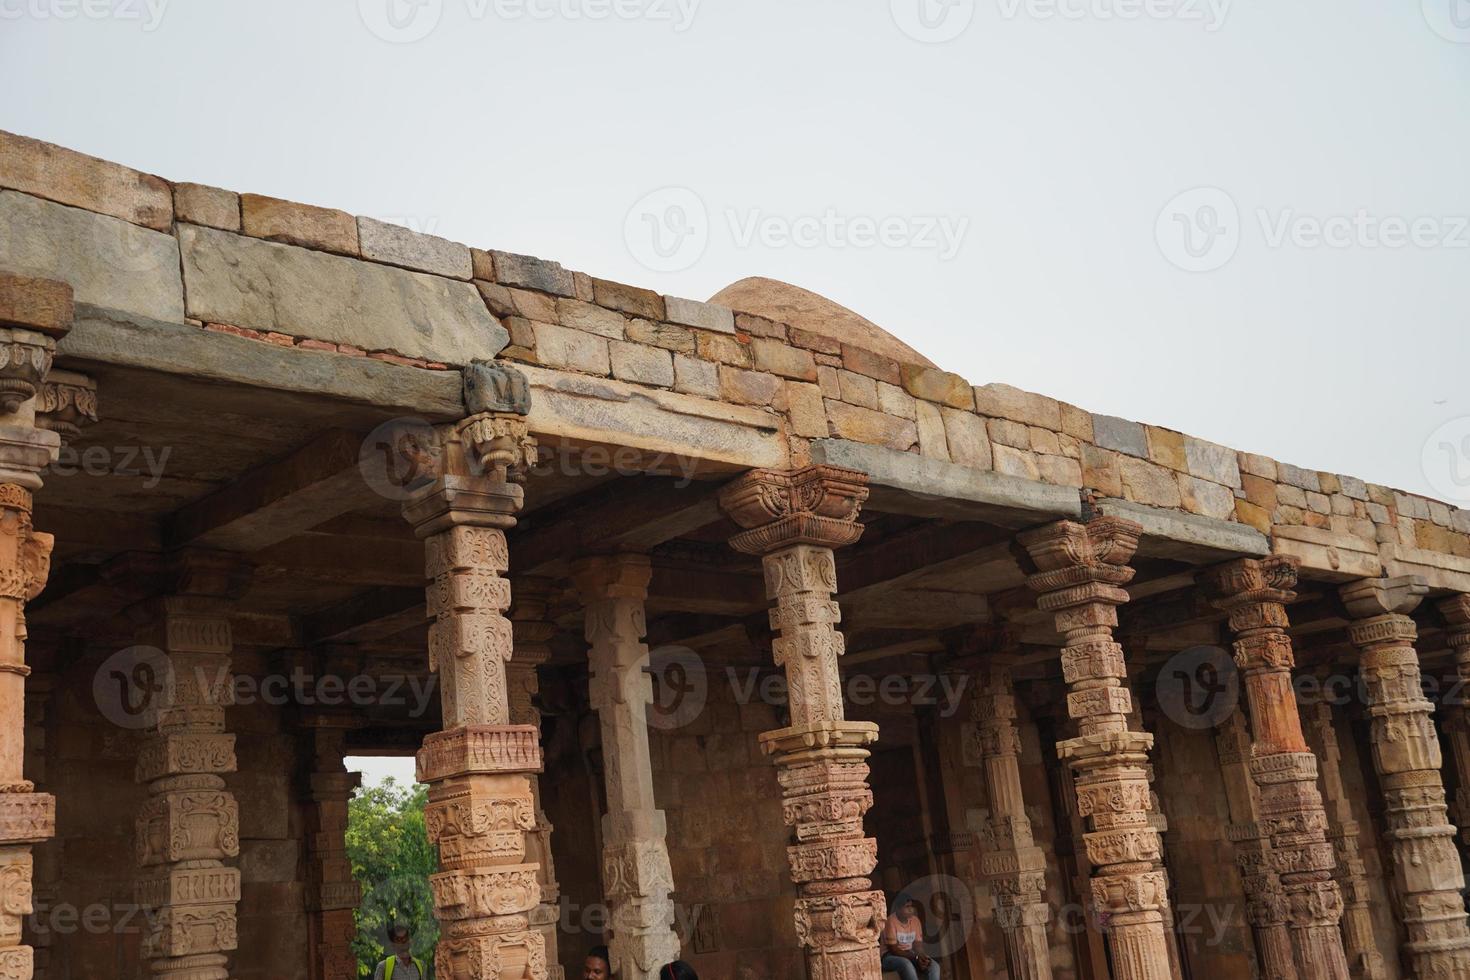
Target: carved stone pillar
(1081, 571)
(1407, 758)
(1359, 943)
(1266, 908)
(1254, 593)
(1010, 860)
(332, 894)
(636, 877)
(532, 634)
(33, 314)
(190, 824)
(793, 521)
(479, 769)
(1456, 611)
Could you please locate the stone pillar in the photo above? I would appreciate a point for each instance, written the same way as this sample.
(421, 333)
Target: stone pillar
(332, 894)
(793, 521)
(190, 824)
(1456, 611)
(33, 314)
(1266, 909)
(480, 767)
(1254, 593)
(1360, 945)
(1406, 755)
(1081, 571)
(1010, 861)
(532, 634)
(636, 877)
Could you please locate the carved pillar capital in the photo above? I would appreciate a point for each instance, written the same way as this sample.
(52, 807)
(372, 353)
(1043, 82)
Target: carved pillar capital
(817, 505)
(617, 576)
(65, 402)
(1370, 597)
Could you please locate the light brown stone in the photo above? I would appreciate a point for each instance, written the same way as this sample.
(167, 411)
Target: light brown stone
(748, 387)
(590, 318)
(867, 426)
(696, 377)
(1006, 402)
(861, 361)
(664, 335)
(1101, 471)
(1059, 470)
(630, 299)
(966, 438)
(1147, 483)
(298, 224)
(396, 245)
(932, 439)
(43, 305)
(1016, 462)
(858, 389)
(808, 414)
(725, 350)
(1166, 447)
(200, 204)
(932, 384)
(67, 177)
(574, 350)
(706, 316)
(640, 364)
(895, 401)
(778, 358)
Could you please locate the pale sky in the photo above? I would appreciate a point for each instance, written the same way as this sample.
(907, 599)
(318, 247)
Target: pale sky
(1024, 161)
(376, 768)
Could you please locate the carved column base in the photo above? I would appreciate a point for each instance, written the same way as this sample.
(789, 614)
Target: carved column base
(1028, 952)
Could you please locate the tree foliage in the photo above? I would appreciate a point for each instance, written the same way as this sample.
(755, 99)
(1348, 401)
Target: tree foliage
(392, 859)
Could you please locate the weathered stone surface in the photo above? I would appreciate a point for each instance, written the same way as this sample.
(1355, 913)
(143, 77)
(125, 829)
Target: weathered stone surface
(1212, 462)
(865, 425)
(1149, 484)
(533, 273)
(1008, 433)
(808, 414)
(271, 287)
(932, 439)
(592, 318)
(932, 384)
(1166, 447)
(873, 365)
(748, 387)
(43, 305)
(1111, 432)
(1076, 422)
(857, 389)
(1189, 537)
(1204, 497)
(664, 335)
(1100, 471)
(644, 365)
(1006, 402)
(1298, 477)
(706, 316)
(298, 224)
(108, 262)
(1060, 470)
(383, 242)
(895, 401)
(966, 438)
(200, 204)
(1016, 462)
(492, 387)
(629, 299)
(696, 377)
(68, 177)
(725, 350)
(572, 349)
(789, 362)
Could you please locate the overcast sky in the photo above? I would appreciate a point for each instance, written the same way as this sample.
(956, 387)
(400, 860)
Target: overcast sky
(1245, 220)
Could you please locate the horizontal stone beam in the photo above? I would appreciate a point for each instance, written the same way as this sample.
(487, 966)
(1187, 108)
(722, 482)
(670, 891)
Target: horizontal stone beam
(1188, 537)
(1328, 555)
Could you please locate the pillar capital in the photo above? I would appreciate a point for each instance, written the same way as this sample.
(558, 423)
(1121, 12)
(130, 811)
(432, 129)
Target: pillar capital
(617, 576)
(817, 505)
(1067, 553)
(65, 402)
(1370, 597)
(1251, 580)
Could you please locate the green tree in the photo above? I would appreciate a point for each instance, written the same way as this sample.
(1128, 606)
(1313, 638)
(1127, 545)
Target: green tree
(391, 856)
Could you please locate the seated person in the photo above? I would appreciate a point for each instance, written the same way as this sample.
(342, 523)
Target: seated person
(902, 935)
(677, 970)
(597, 965)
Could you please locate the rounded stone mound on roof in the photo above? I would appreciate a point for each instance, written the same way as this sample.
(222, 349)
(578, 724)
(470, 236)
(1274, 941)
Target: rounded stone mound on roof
(806, 310)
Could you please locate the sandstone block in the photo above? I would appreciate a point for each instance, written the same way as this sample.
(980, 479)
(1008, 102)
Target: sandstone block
(1213, 462)
(1120, 435)
(529, 272)
(696, 377)
(808, 414)
(644, 365)
(591, 318)
(706, 316)
(1166, 447)
(1354, 487)
(298, 224)
(522, 331)
(1298, 477)
(1044, 441)
(1256, 516)
(630, 299)
(526, 303)
(108, 262)
(1257, 465)
(820, 343)
(748, 387)
(42, 305)
(932, 441)
(934, 385)
(1059, 470)
(68, 177)
(1076, 422)
(725, 350)
(1207, 498)
(759, 326)
(1147, 483)
(877, 366)
(664, 335)
(280, 288)
(199, 204)
(858, 389)
(966, 438)
(874, 428)
(895, 401)
(831, 381)
(395, 245)
(778, 358)
(1318, 503)
(1008, 433)
(1016, 462)
(1006, 402)
(1100, 471)
(1259, 491)
(1291, 496)
(574, 350)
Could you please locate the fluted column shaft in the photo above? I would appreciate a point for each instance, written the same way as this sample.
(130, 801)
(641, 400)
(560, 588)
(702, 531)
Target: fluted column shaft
(1081, 569)
(1254, 594)
(1407, 757)
(793, 521)
(480, 767)
(1011, 862)
(637, 877)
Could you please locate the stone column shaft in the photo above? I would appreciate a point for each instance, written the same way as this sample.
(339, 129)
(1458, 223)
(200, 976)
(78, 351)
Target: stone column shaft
(793, 521)
(1010, 861)
(480, 767)
(332, 894)
(1406, 755)
(1254, 594)
(637, 878)
(1456, 611)
(1081, 569)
